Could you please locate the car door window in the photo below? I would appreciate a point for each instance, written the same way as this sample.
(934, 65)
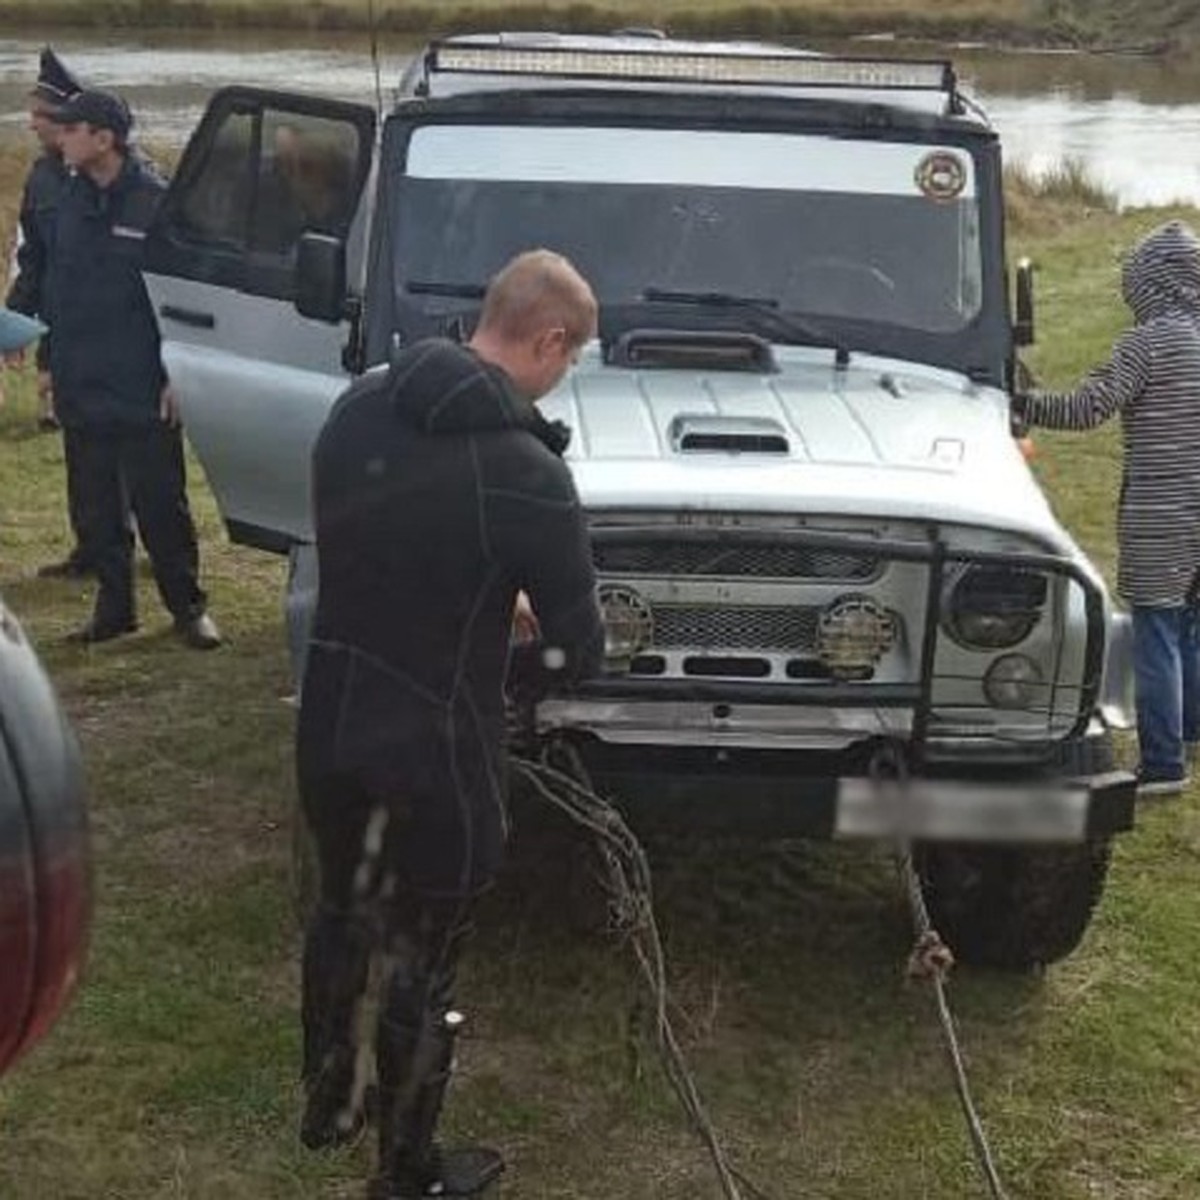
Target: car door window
(255, 178)
(305, 177)
(213, 210)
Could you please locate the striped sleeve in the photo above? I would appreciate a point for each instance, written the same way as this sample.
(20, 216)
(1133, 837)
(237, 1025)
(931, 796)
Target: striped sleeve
(1103, 393)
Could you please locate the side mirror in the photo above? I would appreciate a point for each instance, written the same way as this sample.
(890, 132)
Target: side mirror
(1023, 325)
(321, 277)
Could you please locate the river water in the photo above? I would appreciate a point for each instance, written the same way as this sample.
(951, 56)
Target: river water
(1134, 122)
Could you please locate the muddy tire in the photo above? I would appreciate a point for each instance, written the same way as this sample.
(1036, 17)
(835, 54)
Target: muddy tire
(1020, 907)
(1013, 908)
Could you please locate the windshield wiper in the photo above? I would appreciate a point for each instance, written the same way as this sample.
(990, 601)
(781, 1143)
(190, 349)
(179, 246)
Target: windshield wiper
(797, 329)
(434, 287)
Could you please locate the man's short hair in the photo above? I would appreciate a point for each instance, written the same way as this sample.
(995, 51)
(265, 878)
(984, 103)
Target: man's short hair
(536, 291)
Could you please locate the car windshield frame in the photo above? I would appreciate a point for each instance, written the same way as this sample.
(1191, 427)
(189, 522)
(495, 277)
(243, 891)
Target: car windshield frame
(974, 339)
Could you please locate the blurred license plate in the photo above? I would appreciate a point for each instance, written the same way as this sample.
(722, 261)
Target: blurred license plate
(954, 810)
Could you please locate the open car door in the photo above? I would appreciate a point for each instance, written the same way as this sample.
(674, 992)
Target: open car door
(255, 378)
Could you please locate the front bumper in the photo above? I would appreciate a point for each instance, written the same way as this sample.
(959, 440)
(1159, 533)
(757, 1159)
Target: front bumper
(831, 795)
(930, 810)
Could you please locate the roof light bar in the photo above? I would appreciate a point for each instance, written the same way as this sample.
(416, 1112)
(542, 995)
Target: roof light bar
(693, 67)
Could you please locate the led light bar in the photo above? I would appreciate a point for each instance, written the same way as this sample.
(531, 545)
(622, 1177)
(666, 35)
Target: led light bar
(656, 66)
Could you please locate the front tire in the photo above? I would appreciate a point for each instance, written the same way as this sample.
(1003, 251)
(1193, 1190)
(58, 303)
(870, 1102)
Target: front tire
(1013, 908)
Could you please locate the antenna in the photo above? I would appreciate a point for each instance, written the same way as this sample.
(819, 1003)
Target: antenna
(373, 21)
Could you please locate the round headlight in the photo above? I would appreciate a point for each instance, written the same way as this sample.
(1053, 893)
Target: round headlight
(993, 608)
(853, 634)
(628, 622)
(1013, 682)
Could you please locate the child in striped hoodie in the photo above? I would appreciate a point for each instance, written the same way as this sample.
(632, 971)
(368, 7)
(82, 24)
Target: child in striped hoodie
(1152, 379)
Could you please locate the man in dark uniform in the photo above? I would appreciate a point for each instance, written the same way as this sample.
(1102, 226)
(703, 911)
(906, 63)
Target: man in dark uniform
(54, 87)
(440, 496)
(111, 389)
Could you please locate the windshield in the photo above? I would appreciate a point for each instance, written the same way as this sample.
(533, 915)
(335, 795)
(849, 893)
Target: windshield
(867, 230)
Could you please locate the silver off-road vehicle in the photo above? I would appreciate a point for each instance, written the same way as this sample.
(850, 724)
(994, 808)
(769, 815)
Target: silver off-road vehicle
(821, 552)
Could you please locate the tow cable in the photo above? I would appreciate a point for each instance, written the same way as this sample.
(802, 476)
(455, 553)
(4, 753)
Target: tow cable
(558, 775)
(931, 961)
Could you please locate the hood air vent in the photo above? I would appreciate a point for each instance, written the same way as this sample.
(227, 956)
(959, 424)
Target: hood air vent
(698, 433)
(692, 350)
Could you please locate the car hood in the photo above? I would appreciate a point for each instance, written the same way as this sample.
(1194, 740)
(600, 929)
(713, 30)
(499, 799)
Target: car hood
(878, 436)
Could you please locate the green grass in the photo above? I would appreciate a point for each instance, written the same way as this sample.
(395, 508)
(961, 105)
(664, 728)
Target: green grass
(173, 1074)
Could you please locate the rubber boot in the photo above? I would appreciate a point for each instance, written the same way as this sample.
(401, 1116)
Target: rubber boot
(414, 1073)
(337, 960)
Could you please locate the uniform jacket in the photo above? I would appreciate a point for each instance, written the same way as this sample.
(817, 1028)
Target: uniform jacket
(39, 204)
(104, 353)
(439, 492)
(1153, 381)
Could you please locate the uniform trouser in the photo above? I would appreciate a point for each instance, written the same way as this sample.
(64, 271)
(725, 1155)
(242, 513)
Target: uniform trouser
(1166, 660)
(365, 909)
(75, 512)
(138, 468)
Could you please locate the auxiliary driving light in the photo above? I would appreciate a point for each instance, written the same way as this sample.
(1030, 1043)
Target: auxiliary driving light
(795, 70)
(853, 634)
(628, 622)
(1014, 682)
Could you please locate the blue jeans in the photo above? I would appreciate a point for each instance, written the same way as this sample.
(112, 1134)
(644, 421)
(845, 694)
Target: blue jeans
(1166, 664)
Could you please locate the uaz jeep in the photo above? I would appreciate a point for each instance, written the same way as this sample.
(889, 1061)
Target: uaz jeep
(819, 546)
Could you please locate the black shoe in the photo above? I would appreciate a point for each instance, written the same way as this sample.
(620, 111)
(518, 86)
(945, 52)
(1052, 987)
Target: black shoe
(71, 567)
(201, 633)
(465, 1171)
(1153, 785)
(48, 423)
(95, 631)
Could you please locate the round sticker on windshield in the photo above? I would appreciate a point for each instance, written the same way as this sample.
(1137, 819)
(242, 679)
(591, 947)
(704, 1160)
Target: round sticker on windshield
(941, 175)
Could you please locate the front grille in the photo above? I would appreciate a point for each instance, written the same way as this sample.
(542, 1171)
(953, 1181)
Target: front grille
(759, 627)
(719, 558)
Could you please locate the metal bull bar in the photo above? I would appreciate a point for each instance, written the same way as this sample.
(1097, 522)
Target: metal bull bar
(1104, 803)
(917, 695)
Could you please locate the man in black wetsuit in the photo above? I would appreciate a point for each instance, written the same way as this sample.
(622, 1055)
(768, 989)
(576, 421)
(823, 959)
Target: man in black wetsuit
(440, 496)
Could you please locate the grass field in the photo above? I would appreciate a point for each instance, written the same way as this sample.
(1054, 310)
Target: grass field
(174, 1074)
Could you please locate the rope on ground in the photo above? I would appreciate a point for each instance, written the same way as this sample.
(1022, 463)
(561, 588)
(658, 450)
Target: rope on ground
(631, 901)
(931, 960)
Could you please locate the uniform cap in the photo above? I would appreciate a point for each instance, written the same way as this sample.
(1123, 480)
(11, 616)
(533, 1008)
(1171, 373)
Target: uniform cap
(101, 110)
(55, 84)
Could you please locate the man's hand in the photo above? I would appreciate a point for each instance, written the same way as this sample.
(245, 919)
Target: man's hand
(14, 358)
(525, 627)
(168, 407)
